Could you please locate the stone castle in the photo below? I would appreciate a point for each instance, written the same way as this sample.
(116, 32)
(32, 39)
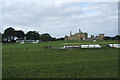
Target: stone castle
(83, 36)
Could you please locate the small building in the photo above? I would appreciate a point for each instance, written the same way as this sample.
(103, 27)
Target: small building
(99, 37)
(27, 41)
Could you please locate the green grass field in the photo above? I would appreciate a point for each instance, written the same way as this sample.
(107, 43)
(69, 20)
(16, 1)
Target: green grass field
(33, 61)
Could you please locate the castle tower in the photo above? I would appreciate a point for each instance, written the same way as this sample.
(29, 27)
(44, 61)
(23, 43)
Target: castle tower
(92, 37)
(80, 31)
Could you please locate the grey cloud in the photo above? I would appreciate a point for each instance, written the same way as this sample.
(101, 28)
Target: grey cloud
(58, 19)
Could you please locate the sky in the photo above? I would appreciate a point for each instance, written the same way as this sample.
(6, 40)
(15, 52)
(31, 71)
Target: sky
(59, 18)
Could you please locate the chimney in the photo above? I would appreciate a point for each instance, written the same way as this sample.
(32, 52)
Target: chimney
(70, 33)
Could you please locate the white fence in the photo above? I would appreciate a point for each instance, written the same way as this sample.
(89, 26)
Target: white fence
(83, 46)
(114, 45)
(27, 41)
(91, 46)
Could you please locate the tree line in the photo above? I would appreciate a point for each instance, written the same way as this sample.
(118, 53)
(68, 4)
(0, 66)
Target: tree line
(11, 35)
(117, 37)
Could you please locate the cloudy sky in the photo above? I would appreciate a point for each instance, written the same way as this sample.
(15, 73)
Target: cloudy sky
(58, 18)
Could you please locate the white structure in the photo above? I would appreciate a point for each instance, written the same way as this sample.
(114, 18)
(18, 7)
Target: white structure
(72, 46)
(115, 45)
(27, 41)
(91, 46)
(65, 47)
(83, 46)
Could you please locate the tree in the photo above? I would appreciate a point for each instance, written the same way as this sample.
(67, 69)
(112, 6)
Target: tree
(60, 39)
(32, 35)
(9, 34)
(46, 37)
(19, 34)
(54, 39)
(0, 38)
(107, 38)
(117, 37)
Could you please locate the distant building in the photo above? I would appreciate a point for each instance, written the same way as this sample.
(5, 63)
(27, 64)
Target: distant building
(77, 37)
(99, 37)
(83, 36)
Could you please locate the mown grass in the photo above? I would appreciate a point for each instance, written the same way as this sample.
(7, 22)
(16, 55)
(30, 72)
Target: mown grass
(33, 61)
